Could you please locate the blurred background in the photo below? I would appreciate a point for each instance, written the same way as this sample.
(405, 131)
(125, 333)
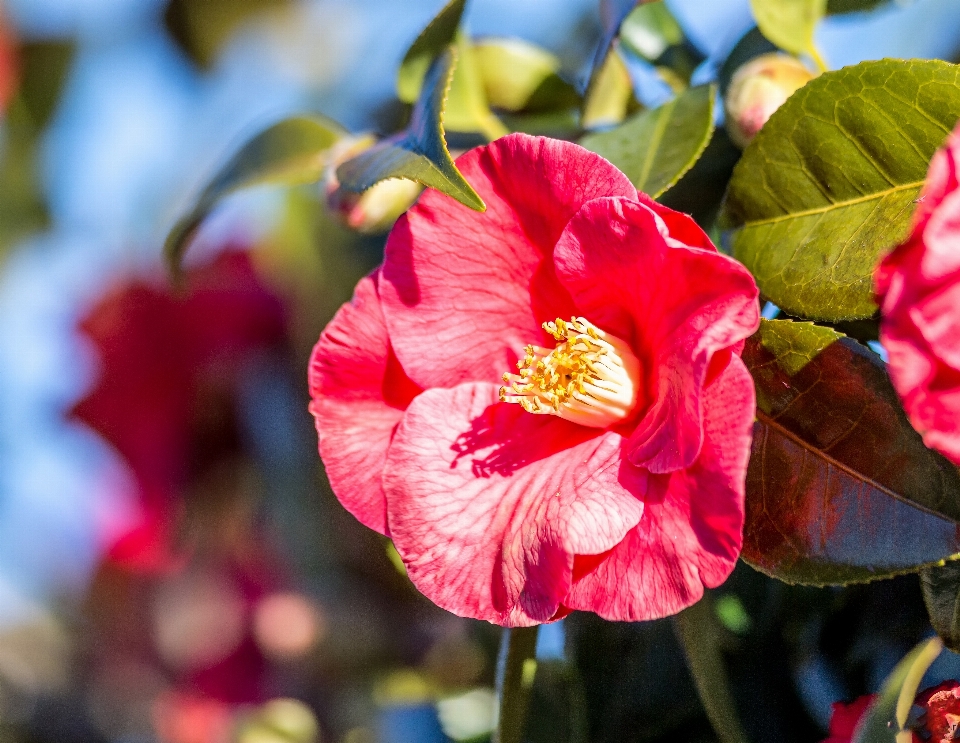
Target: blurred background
(173, 566)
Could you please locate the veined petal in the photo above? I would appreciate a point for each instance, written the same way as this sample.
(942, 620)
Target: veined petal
(359, 392)
(478, 286)
(680, 305)
(691, 532)
(488, 504)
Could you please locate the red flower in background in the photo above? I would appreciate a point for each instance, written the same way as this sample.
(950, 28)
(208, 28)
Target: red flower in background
(918, 288)
(935, 717)
(165, 394)
(608, 475)
(9, 65)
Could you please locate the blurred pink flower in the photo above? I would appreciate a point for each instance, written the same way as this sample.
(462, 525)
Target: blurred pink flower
(934, 717)
(608, 475)
(918, 288)
(164, 397)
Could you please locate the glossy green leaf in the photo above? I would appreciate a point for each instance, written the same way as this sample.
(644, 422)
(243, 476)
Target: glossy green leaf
(466, 109)
(655, 148)
(420, 152)
(941, 594)
(291, 152)
(830, 181)
(520, 76)
(840, 487)
(884, 720)
(789, 23)
(649, 30)
(429, 45)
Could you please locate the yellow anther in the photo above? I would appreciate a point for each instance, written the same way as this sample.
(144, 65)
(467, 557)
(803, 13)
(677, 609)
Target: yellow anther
(590, 377)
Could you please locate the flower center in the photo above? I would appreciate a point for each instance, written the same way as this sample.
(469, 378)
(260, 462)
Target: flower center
(591, 377)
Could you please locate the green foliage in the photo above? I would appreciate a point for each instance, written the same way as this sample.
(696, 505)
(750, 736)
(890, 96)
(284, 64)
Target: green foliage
(830, 181)
(609, 97)
(885, 719)
(291, 152)
(609, 93)
(789, 23)
(655, 148)
(43, 69)
(941, 594)
(836, 7)
(420, 152)
(840, 487)
(429, 45)
(467, 109)
(699, 634)
(649, 30)
(202, 29)
(520, 76)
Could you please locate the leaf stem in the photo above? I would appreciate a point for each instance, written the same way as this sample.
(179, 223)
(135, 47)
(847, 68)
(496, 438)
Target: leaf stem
(697, 630)
(818, 59)
(516, 668)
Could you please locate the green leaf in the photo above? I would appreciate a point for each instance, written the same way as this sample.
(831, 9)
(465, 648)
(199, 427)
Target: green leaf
(609, 91)
(291, 152)
(466, 107)
(789, 23)
(840, 488)
(649, 30)
(830, 181)
(941, 594)
(429, 45)
(520, 76)
(699, 634)
(836, 7)
(609, 96)
(884, 720)
(420, 152)
(655, 148)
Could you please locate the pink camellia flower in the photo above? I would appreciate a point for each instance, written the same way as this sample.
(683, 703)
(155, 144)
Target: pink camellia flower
(606, 473)
(918, 289)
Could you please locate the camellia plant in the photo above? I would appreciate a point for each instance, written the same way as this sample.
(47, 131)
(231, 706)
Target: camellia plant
(607, 354)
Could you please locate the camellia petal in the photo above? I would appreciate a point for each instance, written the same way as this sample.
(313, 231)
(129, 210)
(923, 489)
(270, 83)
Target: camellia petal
(918, 290)
(479, 286)
(359, 393)
(690, 535)
(683, 306)
(488, 505)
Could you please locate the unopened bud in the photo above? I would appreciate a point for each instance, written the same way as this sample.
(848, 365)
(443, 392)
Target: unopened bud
(375, 210)
(758, 89)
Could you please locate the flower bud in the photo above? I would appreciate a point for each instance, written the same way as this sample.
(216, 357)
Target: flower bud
(759, 88)
(375, 210)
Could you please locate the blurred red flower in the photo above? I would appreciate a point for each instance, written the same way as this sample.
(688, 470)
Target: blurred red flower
(918, 288)
(9, 63)
(615, 483)
(165, 394)
(934, 718)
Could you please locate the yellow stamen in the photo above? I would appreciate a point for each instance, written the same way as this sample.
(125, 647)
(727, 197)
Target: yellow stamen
(591, 377)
